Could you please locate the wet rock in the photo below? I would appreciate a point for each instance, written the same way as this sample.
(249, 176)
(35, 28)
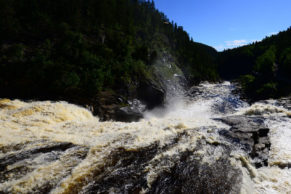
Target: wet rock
(109, 106)
(131, 113)
(115, 109)
(151, 94)
(201, 170)
(126, 173)
(188, 171)
(190, 175)
(227, 104)
(252, 134)
(15, 157)
(46, 159)
(285, 102)
(105, 105)
(127, 114)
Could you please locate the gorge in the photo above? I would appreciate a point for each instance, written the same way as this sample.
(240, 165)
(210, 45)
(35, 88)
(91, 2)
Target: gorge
(206, 140)
(110, 96)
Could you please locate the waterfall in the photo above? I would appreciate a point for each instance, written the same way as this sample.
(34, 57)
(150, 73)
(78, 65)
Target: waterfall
(195, 144)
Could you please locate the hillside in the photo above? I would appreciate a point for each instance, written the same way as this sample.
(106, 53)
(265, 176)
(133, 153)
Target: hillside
(263, 68)
(78, 50)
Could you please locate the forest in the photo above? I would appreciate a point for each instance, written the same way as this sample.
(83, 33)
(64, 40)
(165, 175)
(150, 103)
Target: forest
(58, 49)
(263, 68)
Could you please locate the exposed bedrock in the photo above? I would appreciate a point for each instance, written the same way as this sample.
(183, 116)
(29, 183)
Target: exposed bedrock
(151, 94)
(191, 175)
(187, 163)
(125, 107)
(204, 168)
(38, 166)
(252, 134)
(284, 102)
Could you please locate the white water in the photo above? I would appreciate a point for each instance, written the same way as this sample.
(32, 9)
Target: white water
(273, 179)
(22, 122)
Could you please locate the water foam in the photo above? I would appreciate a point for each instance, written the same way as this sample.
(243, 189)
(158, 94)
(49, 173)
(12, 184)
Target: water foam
(34, 124)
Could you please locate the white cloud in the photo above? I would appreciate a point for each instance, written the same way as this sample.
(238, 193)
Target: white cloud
(236, 43)
(272, 33)
(220, 47)
(254, 40)
(233, 43)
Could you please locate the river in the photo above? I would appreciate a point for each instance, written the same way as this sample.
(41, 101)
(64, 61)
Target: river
(191, 145)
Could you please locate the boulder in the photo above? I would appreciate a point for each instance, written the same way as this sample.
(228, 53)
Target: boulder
(252, 135)
(151, 94)
(131, 113)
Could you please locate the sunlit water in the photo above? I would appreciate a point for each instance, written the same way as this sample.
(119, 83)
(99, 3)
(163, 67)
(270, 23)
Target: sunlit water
(26, 126)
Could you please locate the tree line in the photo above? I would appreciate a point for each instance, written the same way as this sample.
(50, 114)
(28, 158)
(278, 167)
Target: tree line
(60, 48)
(263, 68)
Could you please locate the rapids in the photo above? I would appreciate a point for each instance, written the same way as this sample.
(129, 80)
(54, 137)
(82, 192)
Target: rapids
(57, 147)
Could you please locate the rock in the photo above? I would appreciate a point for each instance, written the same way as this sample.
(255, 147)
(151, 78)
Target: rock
(105, 105)
(285, 102)
(109, 106)
(252, 134)
(206, 168)
(150, 94)
(131, 113)
(160, 167)
(12, 158)
(21, 160)
(191, 175)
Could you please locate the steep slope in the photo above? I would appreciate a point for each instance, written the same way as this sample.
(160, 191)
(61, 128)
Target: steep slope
(264, 68)
(83, 51)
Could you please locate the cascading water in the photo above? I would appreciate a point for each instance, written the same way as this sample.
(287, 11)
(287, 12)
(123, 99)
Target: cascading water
(192, 145)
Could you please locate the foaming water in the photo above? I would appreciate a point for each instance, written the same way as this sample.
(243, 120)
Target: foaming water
(276, 178)
(58, 147)
(198, 106)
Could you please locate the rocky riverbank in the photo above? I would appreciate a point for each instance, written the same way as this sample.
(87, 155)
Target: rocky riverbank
(191, 146)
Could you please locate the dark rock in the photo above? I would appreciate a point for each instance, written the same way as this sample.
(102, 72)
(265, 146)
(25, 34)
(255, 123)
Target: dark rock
(181, 173)
(285, 102)
(150, 94)
(17, 163)
(126, 174)
(105, 105)
(252, 134)
(112, 107)
(203, 168)
(131, 113)
(12, 158)
(108, 105)
(190, 175)
(227, 104)
(127, 114)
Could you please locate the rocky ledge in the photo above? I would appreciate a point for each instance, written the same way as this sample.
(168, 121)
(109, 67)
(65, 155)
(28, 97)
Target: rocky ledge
(251, 134)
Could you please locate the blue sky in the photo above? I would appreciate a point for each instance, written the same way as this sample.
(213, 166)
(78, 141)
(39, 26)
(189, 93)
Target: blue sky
(226, 24)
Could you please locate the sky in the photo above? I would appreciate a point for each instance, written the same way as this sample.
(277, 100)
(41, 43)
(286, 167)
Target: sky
(225, 24)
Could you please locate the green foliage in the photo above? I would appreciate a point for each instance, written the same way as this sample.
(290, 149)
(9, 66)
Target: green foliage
(247, 80)
(266, 66)
(285, 60)
(80, 47)
(267, 90)
(265, 63)
(71, 79)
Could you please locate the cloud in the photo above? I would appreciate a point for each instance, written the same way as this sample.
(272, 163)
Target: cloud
(272, 33)
(236, 43)
(233, 43)
(255, 40)
(220, 47)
